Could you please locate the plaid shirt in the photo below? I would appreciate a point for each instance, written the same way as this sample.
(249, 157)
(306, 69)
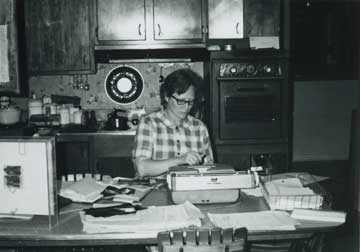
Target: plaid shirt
(157, 138)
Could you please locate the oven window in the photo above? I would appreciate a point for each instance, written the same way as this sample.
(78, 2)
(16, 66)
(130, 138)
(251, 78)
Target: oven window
(256, 108)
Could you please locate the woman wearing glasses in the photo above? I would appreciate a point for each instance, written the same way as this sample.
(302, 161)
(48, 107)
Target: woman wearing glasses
(172, 136)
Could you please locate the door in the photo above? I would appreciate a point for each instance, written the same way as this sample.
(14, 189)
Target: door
(175, 19)
(59, 36)
(121, 20)
(225, 19)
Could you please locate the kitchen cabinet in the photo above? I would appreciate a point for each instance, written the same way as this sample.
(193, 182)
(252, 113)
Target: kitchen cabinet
(113, 154)
(9, 50)
(106, 153)
(225, 19)
(262, 18)
(234, 19)
(74, 154)
(150, 23)
(60, 36)
(121, 20)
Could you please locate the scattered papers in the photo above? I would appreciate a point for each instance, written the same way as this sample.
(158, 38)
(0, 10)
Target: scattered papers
(255, 221)
(86, 190)
(319, 215)
(151, 220)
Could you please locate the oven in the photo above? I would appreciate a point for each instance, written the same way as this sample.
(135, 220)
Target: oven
(249, 109)
(249, 101)
(250, 106)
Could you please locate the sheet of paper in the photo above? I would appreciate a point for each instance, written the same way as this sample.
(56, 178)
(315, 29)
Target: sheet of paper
(319, 215)
(85, 190)
(255, 221)
(4, 58)
(289, 187)
(151, 220)
(264, 42)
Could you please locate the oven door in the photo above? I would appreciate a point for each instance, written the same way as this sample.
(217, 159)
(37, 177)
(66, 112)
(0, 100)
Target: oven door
(250, 109)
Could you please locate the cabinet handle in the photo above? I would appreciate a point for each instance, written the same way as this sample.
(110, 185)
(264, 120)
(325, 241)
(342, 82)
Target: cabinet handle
(237, 28)
(139, 29)
(159, 33)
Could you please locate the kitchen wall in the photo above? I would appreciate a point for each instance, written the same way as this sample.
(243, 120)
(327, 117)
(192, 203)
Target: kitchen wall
(322, 119)
(96, 99)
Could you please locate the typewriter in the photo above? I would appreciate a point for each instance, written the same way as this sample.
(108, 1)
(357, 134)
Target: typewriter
(210, 183)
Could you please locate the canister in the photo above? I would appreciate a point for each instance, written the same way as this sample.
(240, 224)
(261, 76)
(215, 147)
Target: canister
(77, 116)
(35, 107)
(64, 115)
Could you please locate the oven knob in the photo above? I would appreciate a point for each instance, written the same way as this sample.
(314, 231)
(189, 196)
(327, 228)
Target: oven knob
(250, 69)
(233, 70)
(267, 69)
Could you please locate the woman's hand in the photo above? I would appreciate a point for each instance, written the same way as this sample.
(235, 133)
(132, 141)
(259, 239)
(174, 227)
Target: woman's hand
(192, 158)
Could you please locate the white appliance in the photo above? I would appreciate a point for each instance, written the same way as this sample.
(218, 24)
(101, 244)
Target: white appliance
(28, 178)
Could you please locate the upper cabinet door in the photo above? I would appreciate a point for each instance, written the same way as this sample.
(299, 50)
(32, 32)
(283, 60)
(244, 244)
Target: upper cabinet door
(174, 19)
(59, 36)
(262, 18)
(121, 20)
(225, 19)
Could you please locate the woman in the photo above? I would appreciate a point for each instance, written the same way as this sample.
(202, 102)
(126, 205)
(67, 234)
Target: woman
(172, 136)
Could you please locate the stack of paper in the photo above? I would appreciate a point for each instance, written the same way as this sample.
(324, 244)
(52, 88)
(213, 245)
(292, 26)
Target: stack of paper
(289, 193)
(150, 221)
(255, 221)
(319, 215)
(87, 190)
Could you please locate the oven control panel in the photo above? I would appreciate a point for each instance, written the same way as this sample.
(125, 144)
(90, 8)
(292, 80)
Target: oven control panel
(250, 69)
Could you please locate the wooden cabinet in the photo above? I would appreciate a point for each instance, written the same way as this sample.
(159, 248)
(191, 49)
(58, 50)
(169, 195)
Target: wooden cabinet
(9, 51)
(113, 154)
(60, 36)
(175, 19)
(234, 19)
(150, 23)
(225, 19)
(262, 18)
(121, 20)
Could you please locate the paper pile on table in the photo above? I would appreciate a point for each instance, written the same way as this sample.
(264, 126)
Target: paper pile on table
(150, 221)
(289, 193)
(255, 221)
(87, 190)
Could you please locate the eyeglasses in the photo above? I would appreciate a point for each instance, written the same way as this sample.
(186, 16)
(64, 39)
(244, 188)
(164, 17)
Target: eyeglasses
(183, 102)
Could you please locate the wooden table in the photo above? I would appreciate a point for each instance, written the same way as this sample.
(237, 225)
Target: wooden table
(68, 232)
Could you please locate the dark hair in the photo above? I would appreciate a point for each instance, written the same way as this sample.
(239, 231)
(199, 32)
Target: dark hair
(179, 82)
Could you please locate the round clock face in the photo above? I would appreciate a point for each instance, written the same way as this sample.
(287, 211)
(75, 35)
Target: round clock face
(124, 85)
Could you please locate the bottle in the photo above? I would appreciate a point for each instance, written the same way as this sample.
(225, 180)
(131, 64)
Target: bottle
(92, 120)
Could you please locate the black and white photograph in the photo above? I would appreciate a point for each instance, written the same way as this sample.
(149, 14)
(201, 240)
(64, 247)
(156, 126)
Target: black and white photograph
(179, 125)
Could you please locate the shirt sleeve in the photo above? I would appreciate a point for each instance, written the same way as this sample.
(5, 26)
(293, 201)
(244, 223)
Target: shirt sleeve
(209, 157)
(143, 145)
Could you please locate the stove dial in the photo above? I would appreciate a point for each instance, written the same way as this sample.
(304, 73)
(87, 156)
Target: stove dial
(267, 69)
(250, 69)
(233, 70)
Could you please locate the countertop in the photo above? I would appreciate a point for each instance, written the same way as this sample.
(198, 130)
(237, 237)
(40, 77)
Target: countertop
(69, 130)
